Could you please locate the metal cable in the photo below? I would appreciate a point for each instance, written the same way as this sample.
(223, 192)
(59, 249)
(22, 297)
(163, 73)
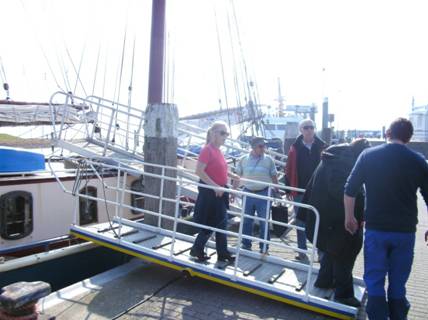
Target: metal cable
(41, 47)
(222, 68)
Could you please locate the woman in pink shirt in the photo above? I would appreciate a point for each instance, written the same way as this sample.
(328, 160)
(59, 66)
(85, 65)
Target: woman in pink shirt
(211, 205)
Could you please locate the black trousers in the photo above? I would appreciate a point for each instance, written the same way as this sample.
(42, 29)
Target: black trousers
(336, 269)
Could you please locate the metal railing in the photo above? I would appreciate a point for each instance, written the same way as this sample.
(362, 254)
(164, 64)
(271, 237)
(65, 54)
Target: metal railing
(119, 127)
(99, 167)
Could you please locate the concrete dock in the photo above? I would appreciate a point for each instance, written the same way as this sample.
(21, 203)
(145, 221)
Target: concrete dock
(146, 291)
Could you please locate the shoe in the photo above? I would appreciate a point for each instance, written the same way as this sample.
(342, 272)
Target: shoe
(323, 285)
(200, 256)
(265, 252)
(226, 258)
(351, 301)
(301, 257)
(246, 247)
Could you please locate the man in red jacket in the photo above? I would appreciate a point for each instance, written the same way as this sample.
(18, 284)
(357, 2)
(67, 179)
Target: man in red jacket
(303, 158)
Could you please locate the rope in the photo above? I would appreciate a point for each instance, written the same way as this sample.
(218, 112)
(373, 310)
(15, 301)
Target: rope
(222, 69)
(167, 284)
(96, 69)
(235, 72)
(41, 47)
(120, 83)
(2, 73)
(64, 72)
(240, 45)
(130, 95)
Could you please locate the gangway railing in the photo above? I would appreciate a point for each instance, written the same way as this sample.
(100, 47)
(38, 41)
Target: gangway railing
(118, 128)
(274, 276)
(99, 168)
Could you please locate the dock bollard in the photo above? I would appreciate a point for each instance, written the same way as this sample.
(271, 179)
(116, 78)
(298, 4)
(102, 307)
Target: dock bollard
(18, 300)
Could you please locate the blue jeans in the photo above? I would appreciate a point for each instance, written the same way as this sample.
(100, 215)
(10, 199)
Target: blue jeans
(301, 234)
(387, 253)
(262, 207)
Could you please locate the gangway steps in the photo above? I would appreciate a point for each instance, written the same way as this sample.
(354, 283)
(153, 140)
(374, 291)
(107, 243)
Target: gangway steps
(267, 276)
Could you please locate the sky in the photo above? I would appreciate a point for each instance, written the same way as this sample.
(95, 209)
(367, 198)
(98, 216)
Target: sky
(370, 58)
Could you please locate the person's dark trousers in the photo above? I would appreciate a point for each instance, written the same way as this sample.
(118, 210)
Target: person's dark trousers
(336, 270)
(211, 211)
(387, 253)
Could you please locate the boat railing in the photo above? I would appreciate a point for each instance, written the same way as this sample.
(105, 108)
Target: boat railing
(168, 213)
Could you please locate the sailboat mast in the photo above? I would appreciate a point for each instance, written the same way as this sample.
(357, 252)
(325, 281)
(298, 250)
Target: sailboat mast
(157, 43)
(160, 128)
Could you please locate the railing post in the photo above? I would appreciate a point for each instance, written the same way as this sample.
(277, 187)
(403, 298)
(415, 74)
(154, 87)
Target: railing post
(161, 198)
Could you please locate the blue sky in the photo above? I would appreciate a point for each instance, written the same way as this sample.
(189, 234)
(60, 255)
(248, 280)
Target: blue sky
(374, 53)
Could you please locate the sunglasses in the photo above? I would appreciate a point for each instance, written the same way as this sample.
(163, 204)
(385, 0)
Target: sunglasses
(261, 146)
(224, 133)
(308, 127)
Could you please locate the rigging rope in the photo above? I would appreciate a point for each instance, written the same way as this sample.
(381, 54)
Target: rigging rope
(78, 80)
(234, 64)
(40, 46)
(130, 94)
(119, 84)
(64, 72)
(222, 69)
(96, 69)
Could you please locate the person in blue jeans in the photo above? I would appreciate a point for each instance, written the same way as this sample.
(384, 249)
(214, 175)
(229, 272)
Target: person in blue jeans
(257, 167)
(391, 174)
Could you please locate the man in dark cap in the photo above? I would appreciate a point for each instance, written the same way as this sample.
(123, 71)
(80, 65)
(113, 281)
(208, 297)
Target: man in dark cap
(257, 167)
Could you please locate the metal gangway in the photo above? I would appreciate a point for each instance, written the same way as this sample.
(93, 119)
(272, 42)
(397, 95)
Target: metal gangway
(111, 129)
(275, 275)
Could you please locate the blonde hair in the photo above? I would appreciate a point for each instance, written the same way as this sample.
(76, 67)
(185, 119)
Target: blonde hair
(214, 126)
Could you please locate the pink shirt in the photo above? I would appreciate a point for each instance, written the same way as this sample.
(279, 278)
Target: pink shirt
(216, 167)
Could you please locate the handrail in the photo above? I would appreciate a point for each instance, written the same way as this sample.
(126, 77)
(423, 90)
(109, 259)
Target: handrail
(124, 125)
(120, 188)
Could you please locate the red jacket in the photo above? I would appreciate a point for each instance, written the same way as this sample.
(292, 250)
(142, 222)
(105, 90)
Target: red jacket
(291, 169)
(297, 153)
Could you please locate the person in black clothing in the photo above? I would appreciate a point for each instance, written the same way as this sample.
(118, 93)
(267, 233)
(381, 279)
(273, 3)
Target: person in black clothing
(303, 157)
(325, 192)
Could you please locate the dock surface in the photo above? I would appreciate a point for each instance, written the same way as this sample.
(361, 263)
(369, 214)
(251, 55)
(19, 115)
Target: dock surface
(153, 292)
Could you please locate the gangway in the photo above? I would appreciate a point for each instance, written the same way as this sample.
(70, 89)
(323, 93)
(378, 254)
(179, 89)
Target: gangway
(111, 129)
(274, 276)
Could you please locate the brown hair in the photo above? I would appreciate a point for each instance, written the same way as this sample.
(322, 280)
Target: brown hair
(400, 129)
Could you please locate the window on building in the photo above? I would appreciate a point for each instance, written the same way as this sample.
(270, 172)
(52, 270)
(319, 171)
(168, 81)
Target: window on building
(16, 215)
(88, 208)
(137, 200)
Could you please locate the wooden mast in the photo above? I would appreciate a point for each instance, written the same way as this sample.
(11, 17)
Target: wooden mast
(160, 125)
(157, 52)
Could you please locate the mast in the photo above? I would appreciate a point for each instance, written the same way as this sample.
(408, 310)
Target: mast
(157, 44)
(160, 127)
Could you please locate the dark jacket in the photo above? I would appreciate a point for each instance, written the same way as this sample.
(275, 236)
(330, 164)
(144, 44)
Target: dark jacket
(301, 162)
(325, 192)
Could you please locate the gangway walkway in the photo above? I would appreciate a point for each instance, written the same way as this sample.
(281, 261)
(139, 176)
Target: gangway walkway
(270, 276)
